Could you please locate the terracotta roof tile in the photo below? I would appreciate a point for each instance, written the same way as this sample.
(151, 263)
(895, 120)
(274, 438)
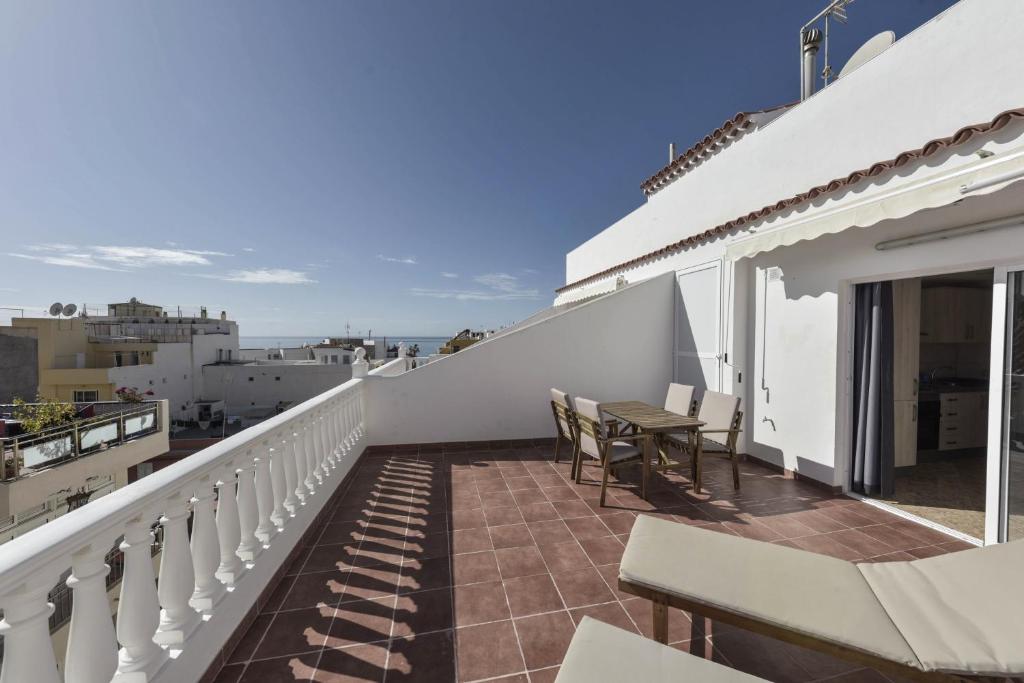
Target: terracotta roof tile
(928, 149)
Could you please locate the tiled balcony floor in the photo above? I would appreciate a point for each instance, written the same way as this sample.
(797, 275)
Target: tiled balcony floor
(476, 565)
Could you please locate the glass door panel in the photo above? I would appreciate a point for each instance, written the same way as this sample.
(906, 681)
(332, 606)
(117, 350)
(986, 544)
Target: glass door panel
(1012, 427)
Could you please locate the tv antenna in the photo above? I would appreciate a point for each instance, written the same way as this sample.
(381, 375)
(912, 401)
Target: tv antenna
(809, 38)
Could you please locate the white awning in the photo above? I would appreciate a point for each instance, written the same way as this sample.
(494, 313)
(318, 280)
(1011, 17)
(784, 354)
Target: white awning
(940, 189)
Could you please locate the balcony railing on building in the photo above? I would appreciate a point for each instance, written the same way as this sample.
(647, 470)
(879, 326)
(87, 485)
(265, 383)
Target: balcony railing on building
(110, 424)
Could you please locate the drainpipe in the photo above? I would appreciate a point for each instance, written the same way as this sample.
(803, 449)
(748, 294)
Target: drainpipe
(810, 40)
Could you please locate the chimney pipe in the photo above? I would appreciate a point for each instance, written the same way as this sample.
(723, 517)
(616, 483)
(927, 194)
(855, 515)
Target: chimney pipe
(809, 41)
(671, 152)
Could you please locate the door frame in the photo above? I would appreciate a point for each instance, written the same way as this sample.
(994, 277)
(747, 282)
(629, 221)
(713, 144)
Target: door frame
(716, 355)
(994, 485)
(996, 479)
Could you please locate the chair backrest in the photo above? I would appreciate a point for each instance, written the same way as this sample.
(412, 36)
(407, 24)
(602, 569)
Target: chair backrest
(679, 398)
(591, 424)
(718, 411)
(562, 405)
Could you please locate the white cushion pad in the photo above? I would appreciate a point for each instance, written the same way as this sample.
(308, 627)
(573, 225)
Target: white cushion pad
(599, 652)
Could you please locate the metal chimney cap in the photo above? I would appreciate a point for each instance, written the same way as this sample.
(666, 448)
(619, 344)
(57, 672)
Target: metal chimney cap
(811, 38)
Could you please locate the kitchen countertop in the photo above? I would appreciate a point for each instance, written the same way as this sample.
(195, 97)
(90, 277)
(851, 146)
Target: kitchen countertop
(932, 392)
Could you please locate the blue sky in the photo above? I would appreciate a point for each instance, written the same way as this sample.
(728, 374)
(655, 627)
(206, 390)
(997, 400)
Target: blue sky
(413, 168)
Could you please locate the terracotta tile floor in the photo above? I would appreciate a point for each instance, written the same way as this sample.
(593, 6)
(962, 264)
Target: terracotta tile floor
(477, 565)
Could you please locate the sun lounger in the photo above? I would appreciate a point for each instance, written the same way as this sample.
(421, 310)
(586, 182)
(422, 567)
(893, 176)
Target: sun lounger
(599, 653)
(958, 615)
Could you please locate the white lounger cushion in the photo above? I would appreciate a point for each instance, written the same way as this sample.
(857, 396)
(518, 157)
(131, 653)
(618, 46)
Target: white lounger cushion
(962, 612)
(599, 652)
(803, 592)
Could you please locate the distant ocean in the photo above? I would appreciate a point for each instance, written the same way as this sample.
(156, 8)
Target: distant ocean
(428, 345)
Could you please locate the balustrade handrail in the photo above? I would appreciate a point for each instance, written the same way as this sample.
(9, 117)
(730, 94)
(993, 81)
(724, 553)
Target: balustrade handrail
(22, 557)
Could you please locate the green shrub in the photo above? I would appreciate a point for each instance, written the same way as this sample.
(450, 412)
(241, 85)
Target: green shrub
(43, 414)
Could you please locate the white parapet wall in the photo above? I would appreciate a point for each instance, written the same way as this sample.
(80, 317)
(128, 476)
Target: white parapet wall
(250, 499)
(617, 347)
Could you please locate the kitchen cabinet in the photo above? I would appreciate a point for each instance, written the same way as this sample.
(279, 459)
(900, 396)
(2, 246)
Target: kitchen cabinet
(963, 420)
(955, 315)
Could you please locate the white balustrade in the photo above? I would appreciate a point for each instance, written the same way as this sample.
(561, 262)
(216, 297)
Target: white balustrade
(264, 496)
(138, 610)
(229, 532)
(205, 549)
(250, 498)
(91, 655)
(177, 576)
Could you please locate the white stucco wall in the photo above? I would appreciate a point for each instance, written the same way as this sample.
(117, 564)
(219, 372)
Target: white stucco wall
(170, 376)
(613, 348)
(297, 383)
(958, 69)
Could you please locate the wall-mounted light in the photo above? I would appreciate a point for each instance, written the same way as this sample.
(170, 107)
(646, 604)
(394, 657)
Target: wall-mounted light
(949, 233)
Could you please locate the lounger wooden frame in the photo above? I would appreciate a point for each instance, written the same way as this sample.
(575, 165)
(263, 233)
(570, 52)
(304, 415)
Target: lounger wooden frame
(661, 601)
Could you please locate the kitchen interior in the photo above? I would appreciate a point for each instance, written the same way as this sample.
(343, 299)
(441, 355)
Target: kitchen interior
(941, 350)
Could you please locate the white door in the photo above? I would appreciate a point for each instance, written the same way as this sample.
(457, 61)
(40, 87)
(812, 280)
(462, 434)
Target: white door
(698, 326)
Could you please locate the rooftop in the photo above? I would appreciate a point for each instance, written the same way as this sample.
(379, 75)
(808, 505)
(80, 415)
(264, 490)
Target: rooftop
(472, 563)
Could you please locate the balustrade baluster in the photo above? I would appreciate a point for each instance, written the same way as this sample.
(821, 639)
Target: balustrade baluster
(91, 655)
(28, 650)
(313, 474)
(339, 431)
(302, 489)
(326, 452)
(138, 611)
(229, 534)
(249, 547)
(205, 549)
(278, 484)
(178, 619)
(286, 448)
(266, 529)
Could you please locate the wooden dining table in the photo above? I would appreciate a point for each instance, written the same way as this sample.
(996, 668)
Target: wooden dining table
(652, 420)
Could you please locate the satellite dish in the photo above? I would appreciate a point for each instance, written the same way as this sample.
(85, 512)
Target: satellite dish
(69, 310)
(56, 308)
(874, 46)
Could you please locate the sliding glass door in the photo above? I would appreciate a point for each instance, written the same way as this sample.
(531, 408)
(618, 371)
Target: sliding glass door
(1005, 494)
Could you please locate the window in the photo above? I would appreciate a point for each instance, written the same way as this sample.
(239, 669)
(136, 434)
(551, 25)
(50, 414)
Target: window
(277, 379)
(86, 396)
(252, 379)
(334, 358)
(346, 360)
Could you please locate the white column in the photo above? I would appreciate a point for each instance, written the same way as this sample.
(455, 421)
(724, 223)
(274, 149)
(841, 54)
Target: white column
(286, 453)
(178, 619)
(337, 419)
(205, 549)
(138, 612)
(301, 470)
(329, 442)
(326, 450)
(229, 535)
(28, 650)
(349, 422)
(313, 474)
(248, 514)
(266, 529)
(91, 655)
(278, 483)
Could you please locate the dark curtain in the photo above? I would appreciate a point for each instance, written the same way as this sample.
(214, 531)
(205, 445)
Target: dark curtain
(873, 442)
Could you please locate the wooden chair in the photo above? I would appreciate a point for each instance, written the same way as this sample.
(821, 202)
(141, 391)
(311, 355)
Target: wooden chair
(596, 443)
(680, 401)
(561, 408)
(722, 418)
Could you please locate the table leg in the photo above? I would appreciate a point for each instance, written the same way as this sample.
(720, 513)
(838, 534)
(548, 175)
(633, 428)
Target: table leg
(659, 607)
(646, 457)
(699, 460)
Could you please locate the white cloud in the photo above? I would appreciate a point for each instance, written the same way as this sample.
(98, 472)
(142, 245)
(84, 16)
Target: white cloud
(408, 260)
(496, 287)
(248, 249)
(116, 257)
(67, 260)
(449, 275)
(266, 276)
